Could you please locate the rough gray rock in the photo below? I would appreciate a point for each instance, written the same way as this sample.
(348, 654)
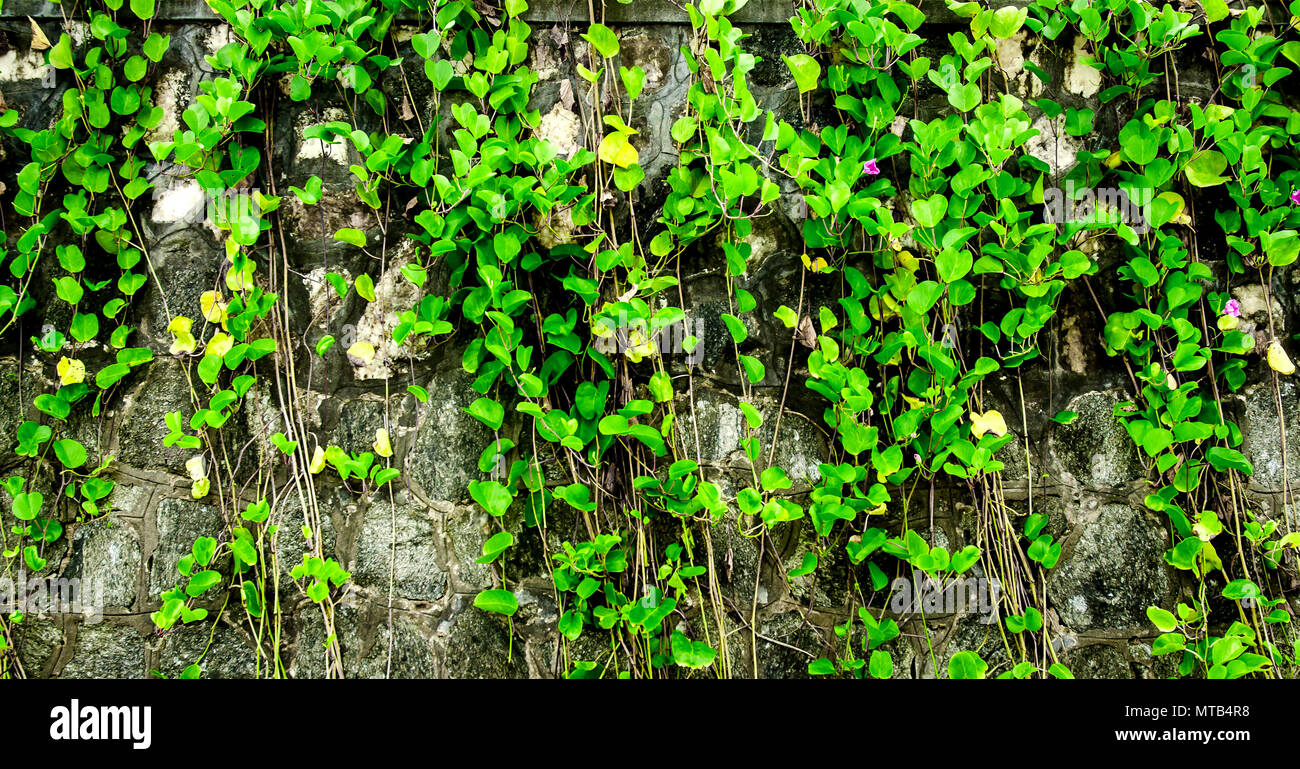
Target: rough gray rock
(398, 541)
(1114, 571)
(107, 651)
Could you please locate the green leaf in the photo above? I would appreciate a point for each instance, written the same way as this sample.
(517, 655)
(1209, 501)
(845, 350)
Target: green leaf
(953, 265)
(821, 667)
(754, 368)
(691, 654)
(70, 452)
(735, 327)
(488, 411)
(351, 236)
(1163, 620)
(365, 287)
(1204, 170)
(491, 496)
(805, 70)
(967, 665)
(497, 601)
(496, 545)
(930, 211)
(202, 582)
(603, 39)
(27, 506)
(1065, 417)
(881, 665)
(61, 53)
(156, 46)
(965, 97)
(143, 9)
(1229, 459)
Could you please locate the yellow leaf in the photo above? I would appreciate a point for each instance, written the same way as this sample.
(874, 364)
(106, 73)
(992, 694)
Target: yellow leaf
(317, 460)
(616, 150)
(1113, 161)
(199, 489)
(382, 446)
(179, 325)
(1278, 360)
(197, 467)
(363, 351)
(220, 344)
(989, 422)
(184, 342)
(71, 371)
(214, 310)
(240, 280)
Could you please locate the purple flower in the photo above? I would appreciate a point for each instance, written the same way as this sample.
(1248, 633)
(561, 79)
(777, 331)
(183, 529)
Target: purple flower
(871, 169)
(1232, 309)
(1295, 197)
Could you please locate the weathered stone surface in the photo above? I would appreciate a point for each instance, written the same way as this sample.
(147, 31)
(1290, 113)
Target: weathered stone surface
(479, 646)
(786, 646)
(37, 641)
(1099, 661)
(1112, 572)
(410, 654)
(107, 556)
(144, 426)
(179, 523)
(397, 542)
(1095, 448)
(11, 408)
(467, 528)
(968, 632)
(1262, 438)
(107, 651)
(220, 653)
(721, 427)
(444, 454)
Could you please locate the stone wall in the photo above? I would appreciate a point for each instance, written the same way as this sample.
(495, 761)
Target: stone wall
(409, 613)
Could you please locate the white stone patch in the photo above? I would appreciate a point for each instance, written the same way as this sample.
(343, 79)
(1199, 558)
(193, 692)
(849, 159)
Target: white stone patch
(763, 242)
(1052, 145)
(1010, 55)
(319, 291)
(654, 75)
(336, 150)
(217, 38)
(178, 200)
(1079, 77)
(27, 66)
(563, 129)
(168, 95)
(1253, 301)
(77, 30)
(393, 294)
(1079, 605)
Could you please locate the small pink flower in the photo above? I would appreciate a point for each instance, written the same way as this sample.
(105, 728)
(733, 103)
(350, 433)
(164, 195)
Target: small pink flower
(1295, 197)
(871, 169)
(1232, 309)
